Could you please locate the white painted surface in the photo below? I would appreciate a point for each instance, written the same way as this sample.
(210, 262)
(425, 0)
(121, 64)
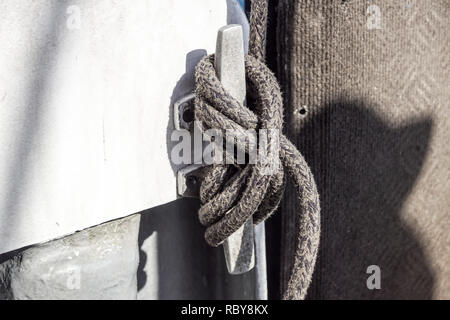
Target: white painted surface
(85, 93)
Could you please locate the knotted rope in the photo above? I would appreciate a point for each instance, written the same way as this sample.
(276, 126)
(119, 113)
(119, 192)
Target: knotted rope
(230, 198)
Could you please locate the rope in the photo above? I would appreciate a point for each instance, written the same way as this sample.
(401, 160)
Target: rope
(231, 194)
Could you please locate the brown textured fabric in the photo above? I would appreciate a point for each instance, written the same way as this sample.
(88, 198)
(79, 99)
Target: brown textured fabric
(369, 110)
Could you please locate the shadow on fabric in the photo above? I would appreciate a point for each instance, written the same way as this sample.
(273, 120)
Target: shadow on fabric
(365, 169)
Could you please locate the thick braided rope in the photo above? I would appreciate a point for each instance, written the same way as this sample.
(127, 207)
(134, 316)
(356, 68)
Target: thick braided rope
(258, 24)
(229, 198)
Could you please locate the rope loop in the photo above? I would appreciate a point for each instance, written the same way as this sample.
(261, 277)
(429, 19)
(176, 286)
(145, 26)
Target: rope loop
(231, 194)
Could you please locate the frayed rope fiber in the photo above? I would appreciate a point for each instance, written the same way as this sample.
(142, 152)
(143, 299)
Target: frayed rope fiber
(231, 194)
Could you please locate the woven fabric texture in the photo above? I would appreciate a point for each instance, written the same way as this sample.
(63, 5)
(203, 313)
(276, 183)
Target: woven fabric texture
(367, 102)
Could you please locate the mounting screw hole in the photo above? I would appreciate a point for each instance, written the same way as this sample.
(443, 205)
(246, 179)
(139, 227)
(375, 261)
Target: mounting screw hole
(191, 182)
(188, 114)
(303, 111)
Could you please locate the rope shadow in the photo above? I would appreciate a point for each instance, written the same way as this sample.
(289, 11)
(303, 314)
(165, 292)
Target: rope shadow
(365, 169)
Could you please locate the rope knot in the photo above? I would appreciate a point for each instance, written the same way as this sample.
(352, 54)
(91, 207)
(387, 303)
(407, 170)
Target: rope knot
(230, 194)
